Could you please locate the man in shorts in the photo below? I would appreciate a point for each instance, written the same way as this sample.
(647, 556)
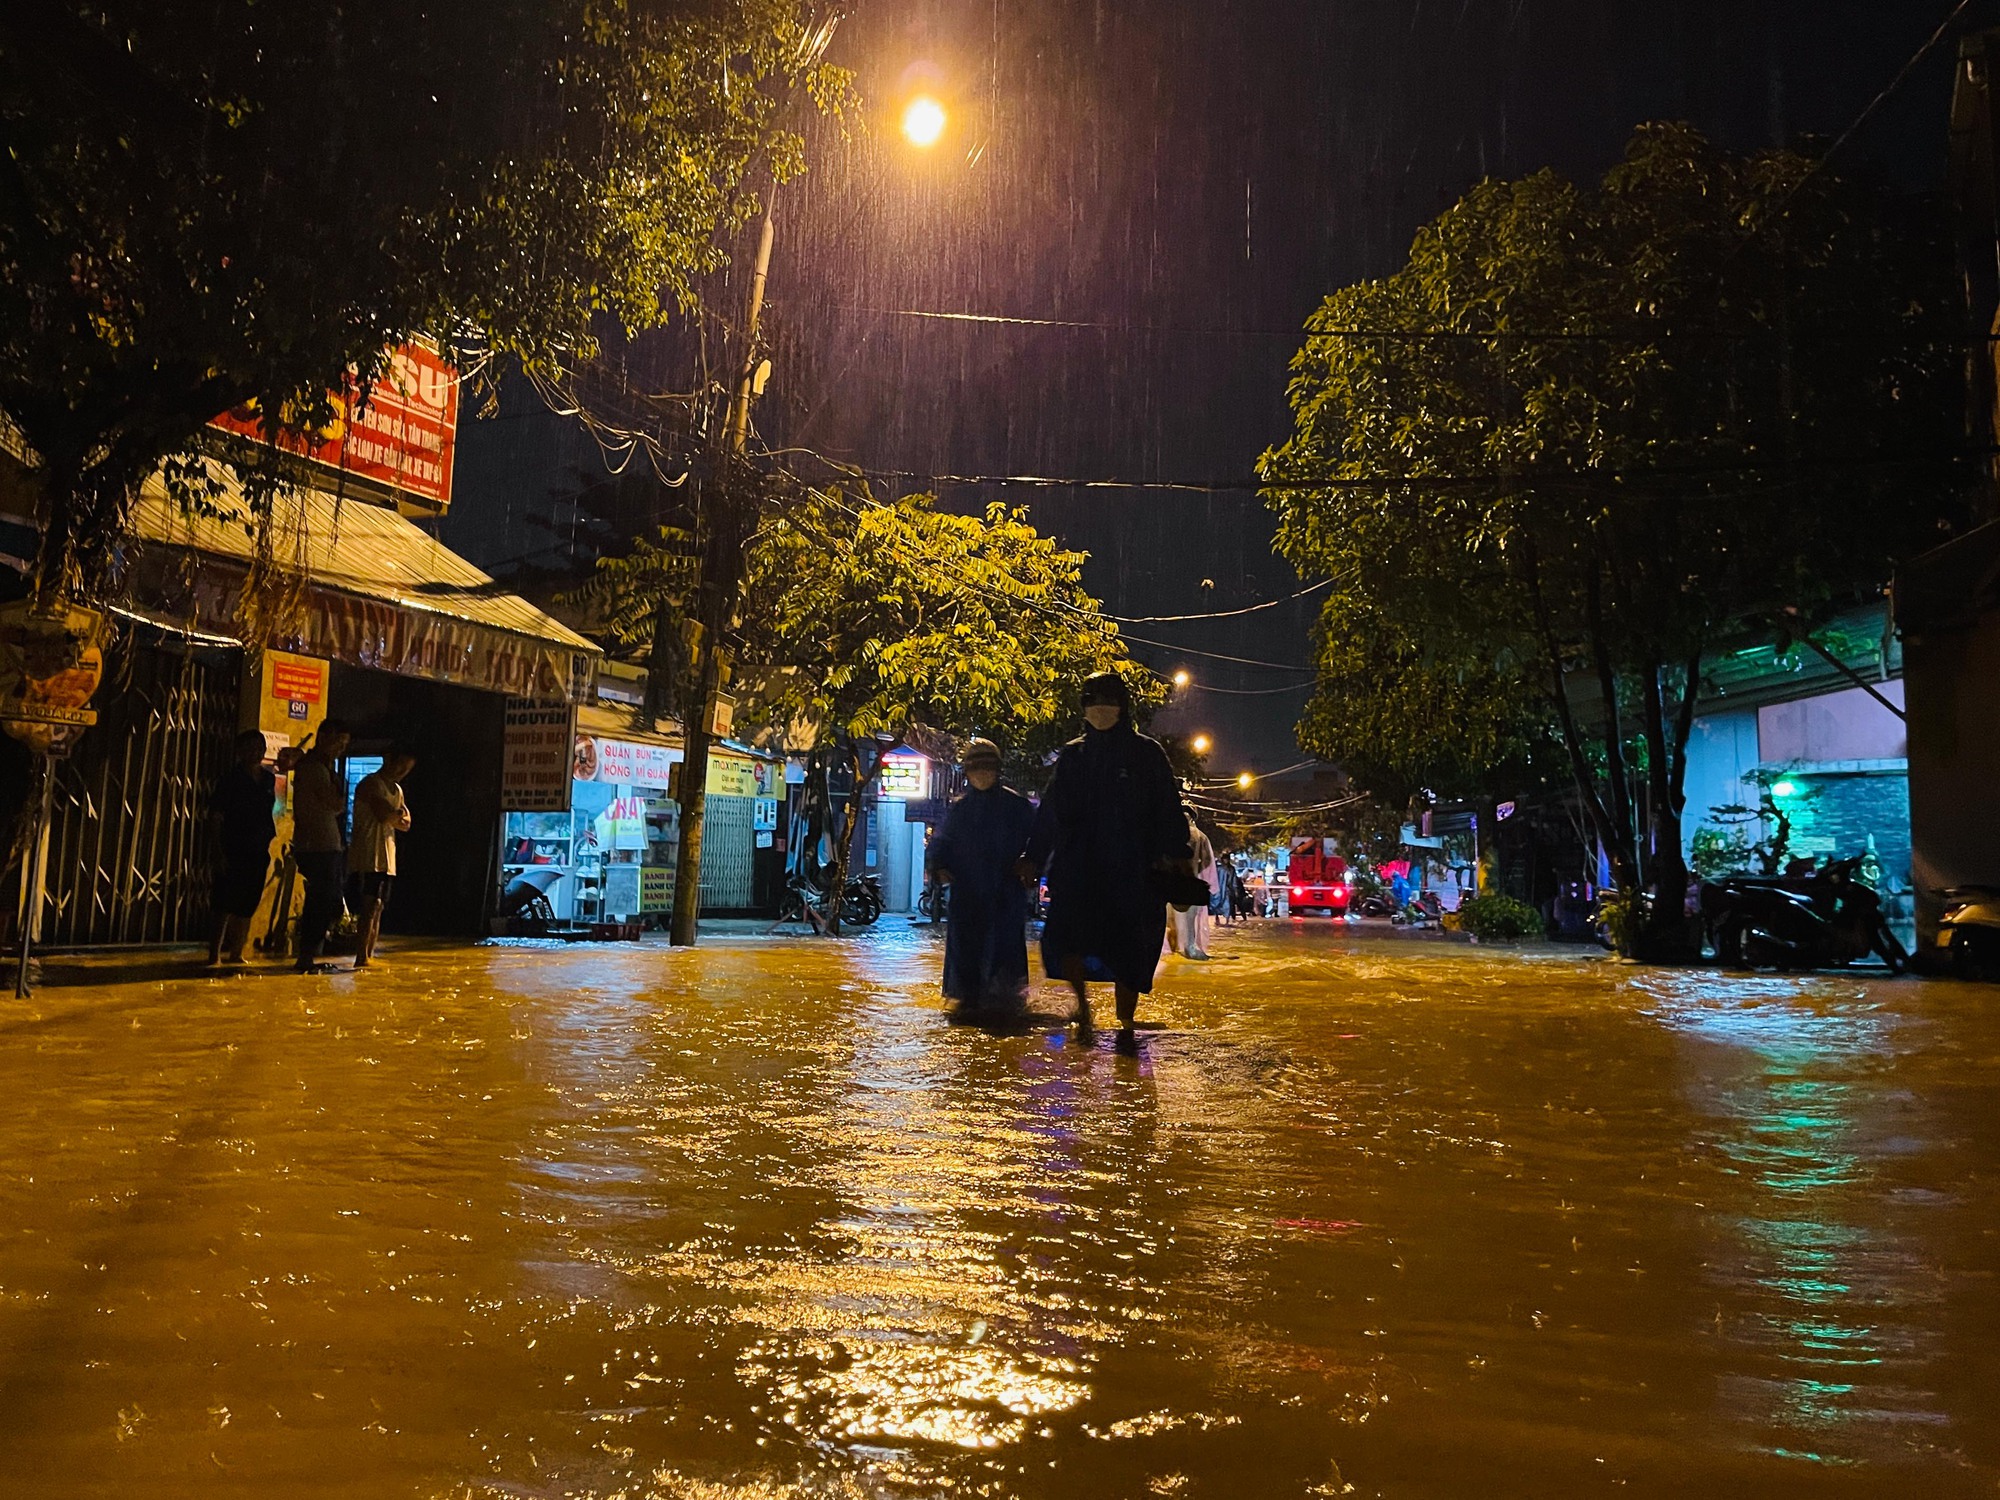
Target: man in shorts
(380, 813)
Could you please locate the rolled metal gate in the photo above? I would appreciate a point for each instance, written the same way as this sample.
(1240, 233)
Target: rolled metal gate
(130, 847)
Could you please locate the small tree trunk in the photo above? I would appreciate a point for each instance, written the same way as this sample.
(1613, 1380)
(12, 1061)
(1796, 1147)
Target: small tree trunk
(719, 598)
(843, 843)
(1620, 802)
(850, 822)
(1616, 844)
(1667, 938)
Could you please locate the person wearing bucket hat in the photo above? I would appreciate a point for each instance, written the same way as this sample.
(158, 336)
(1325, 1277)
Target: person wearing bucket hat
(977, 854)
(1109, 825)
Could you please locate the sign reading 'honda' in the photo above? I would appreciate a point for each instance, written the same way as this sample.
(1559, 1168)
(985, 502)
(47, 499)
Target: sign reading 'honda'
(399, 432)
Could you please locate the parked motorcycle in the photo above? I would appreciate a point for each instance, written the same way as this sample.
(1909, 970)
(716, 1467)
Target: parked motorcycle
(861, 902)
(804, 901)
(1424, 910)
(1969, 930)
(1374, 904)
(1824, 920)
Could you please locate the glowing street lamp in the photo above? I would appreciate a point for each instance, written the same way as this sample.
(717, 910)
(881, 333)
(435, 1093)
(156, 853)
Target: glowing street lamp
(923, 121)
(1201, 744)
(1183, 677)
(1246, 781)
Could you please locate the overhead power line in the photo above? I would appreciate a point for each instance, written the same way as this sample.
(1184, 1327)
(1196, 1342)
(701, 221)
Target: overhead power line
(1242, 661)
(1059, 611)
(1591, 480)
(1219, 614)
(1290, 687)
(1909, 66)
(1308, 332)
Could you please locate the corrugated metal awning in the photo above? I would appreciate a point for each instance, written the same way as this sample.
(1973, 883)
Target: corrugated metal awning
(608, 723)
(376, 592)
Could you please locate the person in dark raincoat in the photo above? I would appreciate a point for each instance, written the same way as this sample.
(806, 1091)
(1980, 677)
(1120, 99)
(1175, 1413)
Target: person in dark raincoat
(978, 854)
(1110, 819)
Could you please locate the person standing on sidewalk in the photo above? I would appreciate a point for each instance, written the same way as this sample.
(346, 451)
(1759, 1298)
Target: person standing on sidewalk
(319, 847)
(380, 813)
(241, 806)
(1110, 821)
(978, 857)
(1188, 930)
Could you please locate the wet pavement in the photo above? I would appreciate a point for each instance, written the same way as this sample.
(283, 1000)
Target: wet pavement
(1359, 1217)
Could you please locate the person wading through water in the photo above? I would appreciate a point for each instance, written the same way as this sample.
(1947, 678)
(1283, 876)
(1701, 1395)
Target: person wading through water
(1110, 821)
(978, 855)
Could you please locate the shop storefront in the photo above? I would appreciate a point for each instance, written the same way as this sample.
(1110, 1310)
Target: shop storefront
(609, 856)
(381, 626)
(898, 828)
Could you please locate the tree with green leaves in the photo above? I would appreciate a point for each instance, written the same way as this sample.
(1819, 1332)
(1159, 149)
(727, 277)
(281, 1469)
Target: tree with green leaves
(1587, 434)
(866, 623)
(209, 204)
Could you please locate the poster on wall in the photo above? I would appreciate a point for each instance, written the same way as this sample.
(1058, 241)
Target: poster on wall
(535, 757)
(294, 698)
(741, 776)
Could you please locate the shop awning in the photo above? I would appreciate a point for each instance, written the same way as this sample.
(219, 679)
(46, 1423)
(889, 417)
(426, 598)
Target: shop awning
(374, 591)
(602, 721)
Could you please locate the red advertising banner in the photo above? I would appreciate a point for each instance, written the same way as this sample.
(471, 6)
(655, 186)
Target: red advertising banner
(402, 436)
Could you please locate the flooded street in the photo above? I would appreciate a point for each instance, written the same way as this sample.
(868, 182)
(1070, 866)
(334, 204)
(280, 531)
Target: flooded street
(1361, 1216)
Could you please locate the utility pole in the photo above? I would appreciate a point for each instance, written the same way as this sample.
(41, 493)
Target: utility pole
(727, 526)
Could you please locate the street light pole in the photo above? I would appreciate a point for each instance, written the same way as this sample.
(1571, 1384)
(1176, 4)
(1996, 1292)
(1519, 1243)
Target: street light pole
(731, 512)
(737, 434)
(731, 518)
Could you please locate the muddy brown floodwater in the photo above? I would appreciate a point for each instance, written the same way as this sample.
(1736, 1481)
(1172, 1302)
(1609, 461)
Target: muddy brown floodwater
(1362, 1216)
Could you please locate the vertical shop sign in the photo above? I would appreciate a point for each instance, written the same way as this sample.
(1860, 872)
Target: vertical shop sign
(536, 755)
(656, 888)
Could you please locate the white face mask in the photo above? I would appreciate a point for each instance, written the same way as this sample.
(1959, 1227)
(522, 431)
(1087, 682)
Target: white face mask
(1101, 715)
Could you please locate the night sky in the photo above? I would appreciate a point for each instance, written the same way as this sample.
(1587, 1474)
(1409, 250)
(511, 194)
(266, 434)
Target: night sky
(1187, 180)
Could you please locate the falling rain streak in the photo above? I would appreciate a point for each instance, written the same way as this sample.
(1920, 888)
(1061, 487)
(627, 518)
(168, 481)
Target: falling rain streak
(1170, 174)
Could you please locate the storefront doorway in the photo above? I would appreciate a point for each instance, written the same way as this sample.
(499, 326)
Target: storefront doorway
(444, 863)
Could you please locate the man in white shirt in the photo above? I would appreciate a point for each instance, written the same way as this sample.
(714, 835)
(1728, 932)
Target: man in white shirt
(380, 813)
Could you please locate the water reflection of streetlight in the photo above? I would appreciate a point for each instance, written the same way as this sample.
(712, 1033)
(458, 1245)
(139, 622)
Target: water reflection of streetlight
(923, 121)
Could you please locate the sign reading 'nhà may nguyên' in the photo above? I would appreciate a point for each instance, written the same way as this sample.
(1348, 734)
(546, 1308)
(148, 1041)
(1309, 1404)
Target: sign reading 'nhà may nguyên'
(536, 753)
